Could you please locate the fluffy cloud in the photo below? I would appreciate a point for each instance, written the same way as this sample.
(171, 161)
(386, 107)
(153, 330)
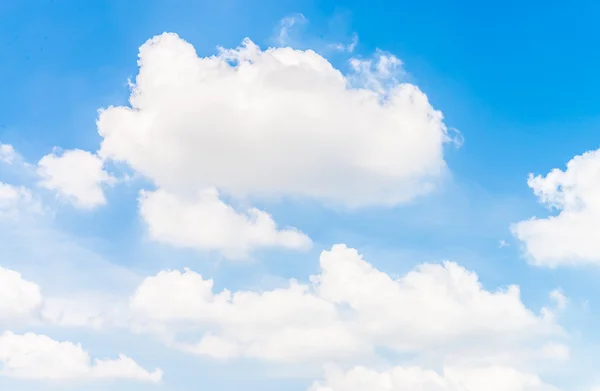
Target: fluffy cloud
(33, 356)
(205, 222)
(571, 236)
(348, 309)
(263, 124)
(288, 324)
(274, 122)
(76, 175)
(492, 378)
(16, 200)
(7, 154)
(85, 310)
(346, 313)
(286, 24)
(20, 300)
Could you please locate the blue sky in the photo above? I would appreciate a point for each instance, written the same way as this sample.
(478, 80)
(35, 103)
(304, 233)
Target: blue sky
(515, 81)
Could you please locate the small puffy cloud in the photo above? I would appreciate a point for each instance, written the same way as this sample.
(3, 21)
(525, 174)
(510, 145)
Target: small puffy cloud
(20, 300)
(347, 310)
(559, 299)
(346, 47)
(286, 24)
(278, 122)
(38, 357)
(490, 378)
(7, 154)
(16, 200)
(571, 236)
(205, 222)
(76, 175)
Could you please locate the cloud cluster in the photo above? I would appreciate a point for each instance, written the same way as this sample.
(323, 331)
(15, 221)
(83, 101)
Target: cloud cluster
(210, 135)
(347, 312)
(249, 123)
(34, 356)
(349, 309)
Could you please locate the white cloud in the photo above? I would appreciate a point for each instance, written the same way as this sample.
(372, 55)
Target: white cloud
(361, 378)
(286, 123)
(76, 175)
(346, 47)
(7, 154)
(492, 378)
(33, 356)
(559, 298)
(279, 122)
(286, 24)
(249, 123)
(207, 223)
(20, 300)
(345, 314)
(84, 310)
(285, 324)
(448, 293)
(555, 351)
(571, 237)
(16, 200)
(347, 310)
(212, 346)
(379, 74)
